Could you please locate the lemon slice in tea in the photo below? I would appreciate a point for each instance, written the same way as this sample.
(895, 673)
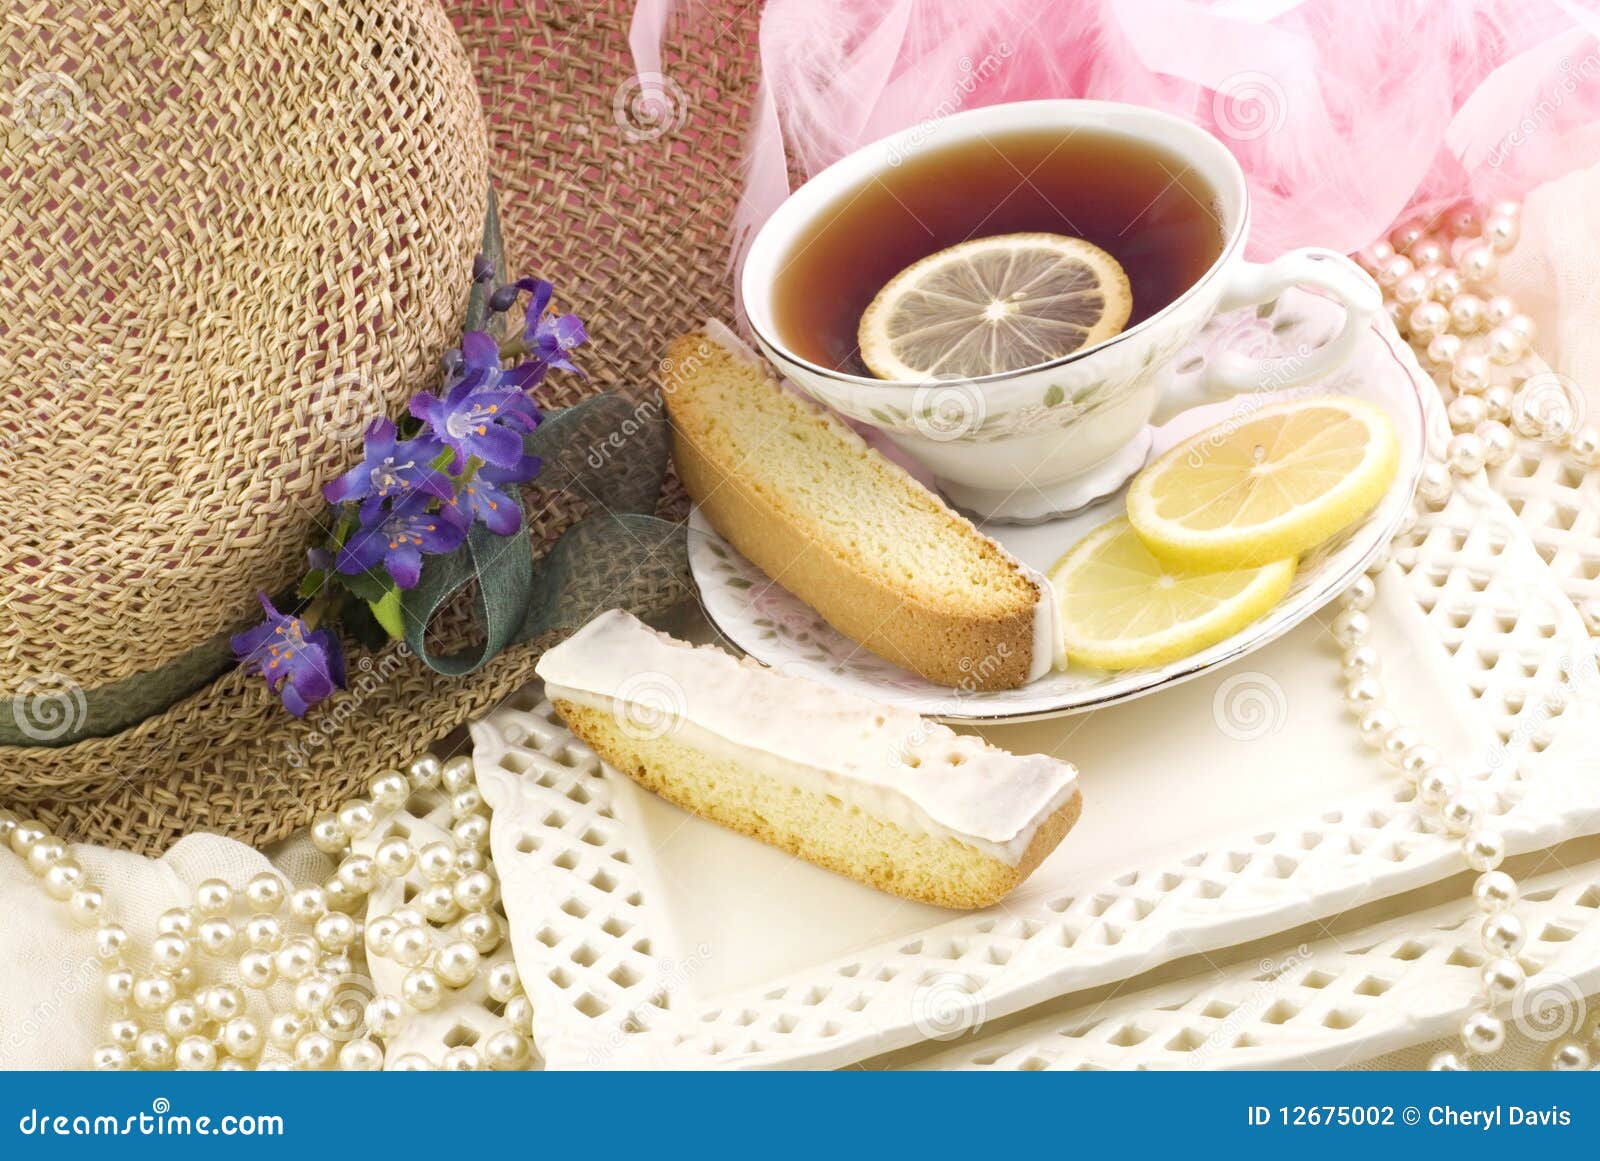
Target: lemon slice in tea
(992, 305)
(1273, 485)
(1122, 608)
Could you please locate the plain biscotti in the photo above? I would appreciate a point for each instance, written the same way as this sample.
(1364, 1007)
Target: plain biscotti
(869, 790)
(883, 559)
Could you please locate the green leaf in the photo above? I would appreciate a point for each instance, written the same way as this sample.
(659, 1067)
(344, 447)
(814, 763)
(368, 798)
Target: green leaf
(312, 584)
(442, 461)
(359, 622)
(387, 612)
(1054, 395)
(370, 586)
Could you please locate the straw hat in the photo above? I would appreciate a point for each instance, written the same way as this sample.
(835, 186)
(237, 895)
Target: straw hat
(236, 231)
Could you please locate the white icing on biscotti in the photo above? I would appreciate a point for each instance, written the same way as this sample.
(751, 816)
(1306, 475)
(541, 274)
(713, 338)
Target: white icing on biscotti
(884, 759)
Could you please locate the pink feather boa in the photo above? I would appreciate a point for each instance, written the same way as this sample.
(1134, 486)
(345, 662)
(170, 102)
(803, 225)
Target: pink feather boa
(1344, 113)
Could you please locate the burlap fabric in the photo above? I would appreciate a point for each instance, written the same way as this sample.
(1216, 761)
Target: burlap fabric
(234, 231)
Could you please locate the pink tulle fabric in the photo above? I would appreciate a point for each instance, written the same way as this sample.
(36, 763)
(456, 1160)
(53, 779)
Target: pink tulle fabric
(1344, 113)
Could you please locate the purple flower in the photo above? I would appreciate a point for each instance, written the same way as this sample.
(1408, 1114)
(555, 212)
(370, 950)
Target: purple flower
(397, 539)
(390, 470)
(484, 414)
(481, 498)
(301, 665)
(550, 336)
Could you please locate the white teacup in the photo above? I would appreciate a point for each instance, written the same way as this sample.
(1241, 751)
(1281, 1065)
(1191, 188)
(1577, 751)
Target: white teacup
(1031, 444)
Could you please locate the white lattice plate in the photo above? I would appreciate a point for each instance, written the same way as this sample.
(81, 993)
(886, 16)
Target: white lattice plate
(767, 621)
(1234, 806)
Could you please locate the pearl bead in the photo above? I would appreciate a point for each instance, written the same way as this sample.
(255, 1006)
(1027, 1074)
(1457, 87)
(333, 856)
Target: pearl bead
(1585, 446)
(217, 936)
(424, 772)
(312, 994)
(438, 903)
(25, 834)
(176, 921)
(1466, 313)
(384, 1016)
(519, 1013)
(462, 1059)
(257, 968)
(393, 858)
(476, 891)
(466, 802)
(1478, 264)
(44, 854)
(313, 1051)
(482, 930)
(1427, 251)
(1351, 627)
(357, 818)
(1504, 346)
(1447, 287)
(222, 1002)
(1444, 349)
(328, 836)
(1434, 485)
(408, 916)
(469, 860)
(1498, 398)
(421, 989)
(1522, 326)
(343, 895)
(265, 892)
(1361, 593)
(124, 1033)
(506, 1049)
(285, 1029)
(63, 879)
(1359, 661)
(1570, 1057)
(359, 873)
(195, 1054)
(1503, 934)
(109, 1058)
(1502, 978)
(152, 993)
(437, 862)
(154, 1049)
(1436, 784)
(296, 958)
(170, 952)
(1406, 235)
(458, 773)
(118, 985)
(1470, 374)
(1483, 1033)
(472, 832)
(335, 932)
(1446, 1062)
(1461, 812)
(264, 931)
(1413, 288)
(213, 897)
(1363, 694)
(1396, 742)
(1463, 222)
(242, 1037)
(411, 945)
(1376, 725)
(1465, 455)
(360, 1056)
(182, 1018)
(502, 982)
(410, 1062)
(1498, 442)
(1392, 271)
(87, 904)
(308, 904)
(1467, 411)
(1417, 761)
(457, 963)
(1483, 849)
(109, 942)
(380, 935)
(1495, 891)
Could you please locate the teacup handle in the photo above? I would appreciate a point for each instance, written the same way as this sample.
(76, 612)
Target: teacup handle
(1252, 283)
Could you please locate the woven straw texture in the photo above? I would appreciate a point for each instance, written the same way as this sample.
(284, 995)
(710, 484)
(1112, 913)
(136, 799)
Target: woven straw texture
(240, 230)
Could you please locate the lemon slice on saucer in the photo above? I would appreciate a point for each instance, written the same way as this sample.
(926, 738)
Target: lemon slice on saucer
(1122, 608)
(994, 304)
(1267, 487)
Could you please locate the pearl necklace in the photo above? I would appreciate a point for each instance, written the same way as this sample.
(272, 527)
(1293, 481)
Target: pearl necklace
(1431, 273)
(166, 1019)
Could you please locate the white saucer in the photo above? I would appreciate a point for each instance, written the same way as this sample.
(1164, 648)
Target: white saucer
(771, 624)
